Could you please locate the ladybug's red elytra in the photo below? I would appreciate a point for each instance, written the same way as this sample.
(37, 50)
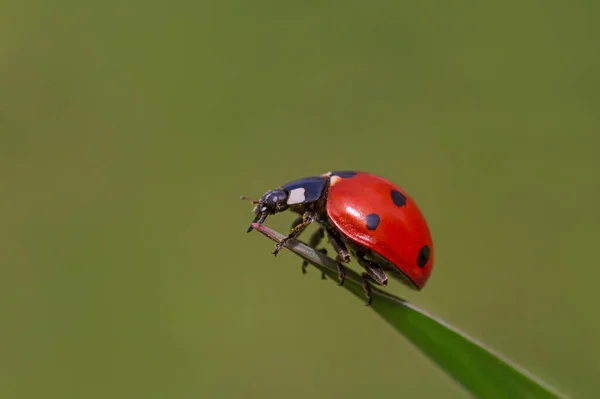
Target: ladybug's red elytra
(361, 214)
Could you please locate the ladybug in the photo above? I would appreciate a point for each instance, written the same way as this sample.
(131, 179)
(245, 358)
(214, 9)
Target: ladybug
(363, 215)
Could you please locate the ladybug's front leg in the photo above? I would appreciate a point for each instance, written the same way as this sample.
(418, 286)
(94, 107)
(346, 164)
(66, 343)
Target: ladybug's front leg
(374, 273)
(307, 218)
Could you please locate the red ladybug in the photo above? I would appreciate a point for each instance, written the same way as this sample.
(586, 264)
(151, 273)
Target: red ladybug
(362, 214)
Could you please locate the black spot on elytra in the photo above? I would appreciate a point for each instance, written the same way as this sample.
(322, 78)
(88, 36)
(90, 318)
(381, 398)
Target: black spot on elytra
(372, 221)
(423, 257)
(398, 198)
(344, 173)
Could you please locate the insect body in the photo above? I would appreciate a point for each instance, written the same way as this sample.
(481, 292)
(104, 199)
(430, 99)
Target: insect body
(363, 215)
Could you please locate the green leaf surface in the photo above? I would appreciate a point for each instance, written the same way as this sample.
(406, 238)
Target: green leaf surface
(478, 369)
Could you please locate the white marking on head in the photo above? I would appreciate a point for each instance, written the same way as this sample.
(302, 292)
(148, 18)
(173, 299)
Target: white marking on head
(326, 174)
(334, 180)
(296, 196)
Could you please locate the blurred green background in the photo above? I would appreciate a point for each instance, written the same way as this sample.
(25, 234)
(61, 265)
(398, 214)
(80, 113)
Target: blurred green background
(128, 131)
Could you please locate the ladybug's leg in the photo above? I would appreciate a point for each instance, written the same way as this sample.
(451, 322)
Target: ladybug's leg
(305, 264)
(343, 256)
(315, 240)
(374, 273)
(296, 222)
(307, 218)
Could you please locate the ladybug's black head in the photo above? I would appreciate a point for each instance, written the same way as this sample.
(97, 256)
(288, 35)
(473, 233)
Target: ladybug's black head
(274, 201)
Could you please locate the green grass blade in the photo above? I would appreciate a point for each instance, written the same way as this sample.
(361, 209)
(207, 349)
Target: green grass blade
(478, 369)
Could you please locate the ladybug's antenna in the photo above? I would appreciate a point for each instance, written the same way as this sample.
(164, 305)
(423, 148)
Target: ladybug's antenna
(255, 202)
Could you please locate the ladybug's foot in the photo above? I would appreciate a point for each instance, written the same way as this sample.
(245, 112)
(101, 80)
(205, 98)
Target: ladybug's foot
(307, 219)
(305, 263)
(304, 266)
(341, 273)
(374, 274)
(367, 288)
(313, 242)
(280, 245)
